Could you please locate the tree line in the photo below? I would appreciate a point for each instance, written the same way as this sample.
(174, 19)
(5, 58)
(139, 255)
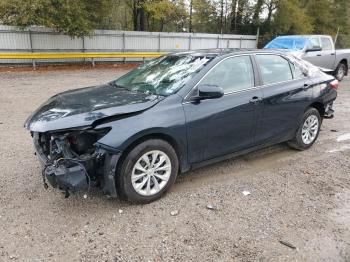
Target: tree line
(272, 17)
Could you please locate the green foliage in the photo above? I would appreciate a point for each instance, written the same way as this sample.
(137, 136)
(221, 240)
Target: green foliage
(205, 17)
(115, 14)
(74, 18)
(164, 14)
(291, 18)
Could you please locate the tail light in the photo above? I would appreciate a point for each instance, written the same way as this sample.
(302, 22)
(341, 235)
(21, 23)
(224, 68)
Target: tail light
(334, 84)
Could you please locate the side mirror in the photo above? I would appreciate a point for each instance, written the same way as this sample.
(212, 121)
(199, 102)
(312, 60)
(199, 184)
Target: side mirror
(209, 92)
(314, 49)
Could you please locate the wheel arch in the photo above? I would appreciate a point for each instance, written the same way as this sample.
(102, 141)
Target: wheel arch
(345, 62)
(319, 106)
(153, 134)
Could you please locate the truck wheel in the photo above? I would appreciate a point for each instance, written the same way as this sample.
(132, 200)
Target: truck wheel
(308, 130)
(341, 71)
(147, 172)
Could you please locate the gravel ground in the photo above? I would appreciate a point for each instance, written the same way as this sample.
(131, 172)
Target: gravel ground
(302, 198)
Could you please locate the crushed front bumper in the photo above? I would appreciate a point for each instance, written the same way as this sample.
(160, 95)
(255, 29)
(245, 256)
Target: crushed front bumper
(72, 178)
(72, 174)
(69, 179)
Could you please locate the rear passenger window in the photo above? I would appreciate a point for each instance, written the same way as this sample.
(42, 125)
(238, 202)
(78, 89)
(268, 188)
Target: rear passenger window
(274, 69)
(297, 71)
(232, 74)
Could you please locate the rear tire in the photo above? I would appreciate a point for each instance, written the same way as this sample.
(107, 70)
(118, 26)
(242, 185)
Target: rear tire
(341, 71)
(308, 130)
(147, 172)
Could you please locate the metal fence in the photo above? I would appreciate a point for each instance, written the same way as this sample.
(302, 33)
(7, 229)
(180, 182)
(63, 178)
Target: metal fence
(39, 40)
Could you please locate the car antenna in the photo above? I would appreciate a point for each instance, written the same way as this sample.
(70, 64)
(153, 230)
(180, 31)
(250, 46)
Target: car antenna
(336, 37)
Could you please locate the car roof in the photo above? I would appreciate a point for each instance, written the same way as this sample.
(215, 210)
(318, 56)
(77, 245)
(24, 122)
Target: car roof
(226, 51)
(302, 36)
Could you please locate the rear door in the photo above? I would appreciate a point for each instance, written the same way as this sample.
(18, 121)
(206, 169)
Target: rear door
(216, 127)
(285, 95)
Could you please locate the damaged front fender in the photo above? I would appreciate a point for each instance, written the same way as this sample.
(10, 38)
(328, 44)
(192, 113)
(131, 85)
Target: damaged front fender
(109, 172)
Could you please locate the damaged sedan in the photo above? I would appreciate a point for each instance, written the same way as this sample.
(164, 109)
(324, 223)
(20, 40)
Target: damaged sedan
(131, 137)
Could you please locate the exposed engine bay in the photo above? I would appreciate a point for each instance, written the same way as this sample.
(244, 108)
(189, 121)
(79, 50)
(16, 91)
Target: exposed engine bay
(72, 160)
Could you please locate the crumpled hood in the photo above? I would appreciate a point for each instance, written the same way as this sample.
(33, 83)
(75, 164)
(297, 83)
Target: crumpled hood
(81, 107)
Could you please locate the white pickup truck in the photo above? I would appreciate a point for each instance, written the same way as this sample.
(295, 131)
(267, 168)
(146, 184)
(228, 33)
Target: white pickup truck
(318, 50)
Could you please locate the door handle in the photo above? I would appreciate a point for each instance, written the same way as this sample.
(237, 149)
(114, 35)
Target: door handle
(306, 86)
(319, 55)
(332, 53)
(255, 100)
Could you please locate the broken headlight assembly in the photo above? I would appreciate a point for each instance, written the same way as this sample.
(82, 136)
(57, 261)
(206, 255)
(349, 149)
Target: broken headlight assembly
(71, 160)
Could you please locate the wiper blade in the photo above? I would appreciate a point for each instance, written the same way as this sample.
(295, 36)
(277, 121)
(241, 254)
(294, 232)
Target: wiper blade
(119, 86)
(142, 83)
(147, 90)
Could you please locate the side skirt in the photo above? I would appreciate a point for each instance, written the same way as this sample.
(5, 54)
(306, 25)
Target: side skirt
(232, 155)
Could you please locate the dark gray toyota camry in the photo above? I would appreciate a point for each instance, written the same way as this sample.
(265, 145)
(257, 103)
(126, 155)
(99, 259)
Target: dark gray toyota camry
(132, 136)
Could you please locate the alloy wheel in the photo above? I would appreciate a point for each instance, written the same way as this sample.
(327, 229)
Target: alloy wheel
(151, 173)
(310, 129)
(341, 72)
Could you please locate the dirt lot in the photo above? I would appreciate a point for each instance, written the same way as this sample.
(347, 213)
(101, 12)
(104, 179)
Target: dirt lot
(302, 198)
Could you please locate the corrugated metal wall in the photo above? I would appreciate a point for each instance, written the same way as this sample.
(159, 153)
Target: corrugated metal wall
(13, 39)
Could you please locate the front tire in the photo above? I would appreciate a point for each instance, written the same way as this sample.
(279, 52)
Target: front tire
(341, 71)
(147, 172)
(308, 130)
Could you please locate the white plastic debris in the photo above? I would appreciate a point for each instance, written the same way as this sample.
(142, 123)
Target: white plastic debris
(211, 207)
(174, 212)
(339, 149)
(85, 196)
(120, 211)
(343, 137)
(246, 193)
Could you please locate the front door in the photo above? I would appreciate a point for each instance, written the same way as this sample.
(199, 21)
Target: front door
(216, 127)
(328, 53)
(314, 57)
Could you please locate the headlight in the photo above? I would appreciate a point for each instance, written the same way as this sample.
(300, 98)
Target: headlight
(83, 142)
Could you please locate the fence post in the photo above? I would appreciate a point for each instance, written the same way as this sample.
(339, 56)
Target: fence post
(240, 42)
(189, 42)
(83, 46)
(218, 43)
(257, 37)
(123, 47)
(159, 42)
(228, 43)
(31, 48)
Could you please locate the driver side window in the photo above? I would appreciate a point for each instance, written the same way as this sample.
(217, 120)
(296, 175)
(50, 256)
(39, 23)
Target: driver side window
(232, 74)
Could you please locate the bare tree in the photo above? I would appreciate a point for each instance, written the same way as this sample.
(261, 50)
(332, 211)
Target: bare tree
(271, 6)
(257, 11)
(221, 15)
(190, 24)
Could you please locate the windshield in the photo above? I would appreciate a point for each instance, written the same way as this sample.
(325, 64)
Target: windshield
(291, 43)
(164, 75)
